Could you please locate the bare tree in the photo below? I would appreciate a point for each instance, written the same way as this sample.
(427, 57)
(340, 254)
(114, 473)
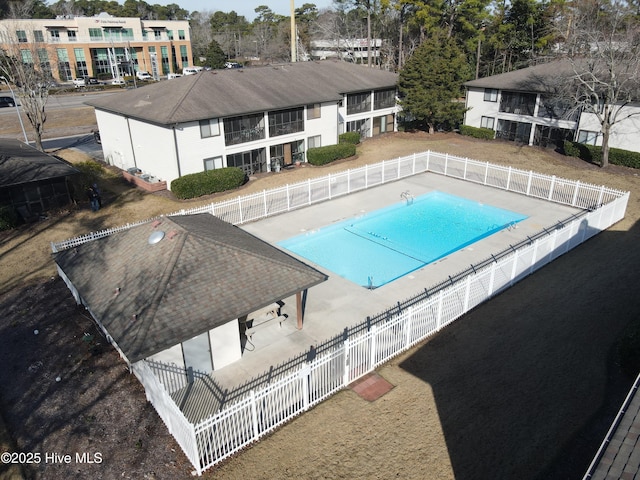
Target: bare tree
(603, 48)
(27, 63)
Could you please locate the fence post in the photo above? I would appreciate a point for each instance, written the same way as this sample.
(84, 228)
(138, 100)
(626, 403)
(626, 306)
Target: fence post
(439, 314)
(345, 379)
(575, 193)
(446, 162)
(264, 201)
(428, 158)
(254, 414)
(304, 374)
(309, 187)
(398, 166)
(514, 267)
(288, 199)
(330, 178)
(413, 166)
(348, 180)
(240, 208)
(534, 256)
(486, 172)
(467, 293)
(600, 196)
(366, 175)
(492, 277)
(382, 172)
(466, 162)
(407, 340)
(372, 353)
(508, 179)
(212, 209)
(553, 183)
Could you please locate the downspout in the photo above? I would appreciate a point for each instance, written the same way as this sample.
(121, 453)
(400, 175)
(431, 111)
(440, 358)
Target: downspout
(175, 146)
(133, 150)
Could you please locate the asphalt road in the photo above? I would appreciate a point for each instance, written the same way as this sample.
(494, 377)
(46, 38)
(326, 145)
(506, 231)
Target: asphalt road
(85, 143)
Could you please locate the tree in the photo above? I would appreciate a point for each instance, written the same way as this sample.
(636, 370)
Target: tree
(215, 57)
(430, 84)
(603, 49)
(28, 67)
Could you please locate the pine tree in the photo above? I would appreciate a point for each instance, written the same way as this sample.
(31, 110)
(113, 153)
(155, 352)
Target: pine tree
(431, 83)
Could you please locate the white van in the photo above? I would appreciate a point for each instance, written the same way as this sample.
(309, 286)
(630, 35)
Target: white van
(144, 76)
(191, 70)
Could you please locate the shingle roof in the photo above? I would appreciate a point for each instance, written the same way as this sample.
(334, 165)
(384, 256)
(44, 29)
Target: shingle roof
(543, 78)
(230, 92)
(202, 274)
(21, 163)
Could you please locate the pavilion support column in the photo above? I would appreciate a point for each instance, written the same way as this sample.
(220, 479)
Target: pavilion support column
(299, 309)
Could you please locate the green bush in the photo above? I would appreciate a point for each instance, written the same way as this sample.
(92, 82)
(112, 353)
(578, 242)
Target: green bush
(483, 133)
(350, 137)
(206, 183)
(330, 153)
(8, 218)
(593, 154)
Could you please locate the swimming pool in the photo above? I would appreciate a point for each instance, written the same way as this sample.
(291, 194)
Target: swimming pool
(379, 247)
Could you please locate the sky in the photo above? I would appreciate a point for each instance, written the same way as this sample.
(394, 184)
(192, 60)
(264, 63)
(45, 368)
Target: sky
(242, 7)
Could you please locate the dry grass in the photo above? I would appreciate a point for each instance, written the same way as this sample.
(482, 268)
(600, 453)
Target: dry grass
(522, 387)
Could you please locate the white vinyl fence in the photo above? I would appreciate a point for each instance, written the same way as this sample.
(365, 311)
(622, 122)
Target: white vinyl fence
(246, 421)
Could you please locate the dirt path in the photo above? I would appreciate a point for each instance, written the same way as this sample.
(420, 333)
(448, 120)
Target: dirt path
(524, 386)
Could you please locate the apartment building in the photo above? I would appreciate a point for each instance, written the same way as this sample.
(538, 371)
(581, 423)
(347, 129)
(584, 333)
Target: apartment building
(99, 46)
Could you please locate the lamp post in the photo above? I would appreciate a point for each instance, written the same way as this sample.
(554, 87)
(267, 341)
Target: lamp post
(15, 104)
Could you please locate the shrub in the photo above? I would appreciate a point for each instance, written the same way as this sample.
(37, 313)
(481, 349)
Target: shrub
(350, 137)
(330, 153)
(483, 133)
(206, 183)
(8, 218)
(592, 153)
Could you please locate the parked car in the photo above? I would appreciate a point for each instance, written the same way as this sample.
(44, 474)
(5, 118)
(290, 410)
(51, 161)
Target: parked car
(191, 70)
(118, 81)
(232, 65)
(171, 76)
(144, 76)
(91, 81)
(79, 82)
(7, 102)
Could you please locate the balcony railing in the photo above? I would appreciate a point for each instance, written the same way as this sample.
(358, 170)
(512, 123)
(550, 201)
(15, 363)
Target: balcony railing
(244, 136)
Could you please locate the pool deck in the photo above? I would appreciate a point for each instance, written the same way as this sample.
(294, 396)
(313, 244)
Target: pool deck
(338, 303)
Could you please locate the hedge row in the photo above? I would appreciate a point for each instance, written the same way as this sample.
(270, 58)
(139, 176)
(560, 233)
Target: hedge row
(349, 137)
(206, 183)
(483, 133)
(593, 154)
(330, 153)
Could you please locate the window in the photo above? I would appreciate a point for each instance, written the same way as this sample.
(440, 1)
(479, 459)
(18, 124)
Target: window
(170, 34)
(54, 35)
(165, 59)
(144, 35)
(358, 102)
(95, 34)
(246, 128)
(518, 103)
(184, 58)
(209, 128)
(361, 126)
(552, 107)
(73, 35)
(181, 35)
(64, 67)
(384, 99)
(38, 36)
(490, 95)
(157, 34)
(588, 137)
(22, 36)
(212, 163)
(514, 131)
(81, 63)
(27, 59)
(314, 142)
(127, 34)
(284, 122)
(313, 111)
(487, 122)
(250, 162)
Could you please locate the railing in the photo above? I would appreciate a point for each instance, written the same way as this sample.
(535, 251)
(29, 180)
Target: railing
(408, 323)
(260, 412)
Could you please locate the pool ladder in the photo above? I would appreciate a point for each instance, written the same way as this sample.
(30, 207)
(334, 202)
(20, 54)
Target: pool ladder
(407, 196)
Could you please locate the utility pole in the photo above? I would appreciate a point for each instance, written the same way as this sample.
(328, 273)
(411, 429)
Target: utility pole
(294, 36)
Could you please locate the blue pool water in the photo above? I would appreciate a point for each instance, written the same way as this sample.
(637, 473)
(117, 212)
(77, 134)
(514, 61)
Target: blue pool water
(386, 244)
